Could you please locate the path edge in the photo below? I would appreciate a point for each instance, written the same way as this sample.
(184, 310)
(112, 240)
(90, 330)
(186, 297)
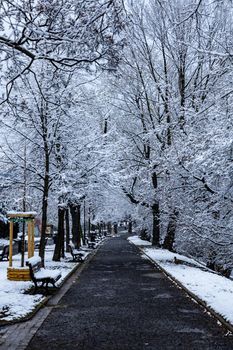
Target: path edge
(224, 323)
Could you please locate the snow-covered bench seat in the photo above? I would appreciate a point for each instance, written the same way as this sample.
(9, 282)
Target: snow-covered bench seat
(91, 244)
(77, 255)
(40, 275)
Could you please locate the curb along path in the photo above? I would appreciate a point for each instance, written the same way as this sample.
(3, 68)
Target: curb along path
(195, 298)
(123, 302)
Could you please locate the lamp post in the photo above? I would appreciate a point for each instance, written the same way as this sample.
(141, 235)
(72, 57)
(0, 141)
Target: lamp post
(84, 222)
(89, 222)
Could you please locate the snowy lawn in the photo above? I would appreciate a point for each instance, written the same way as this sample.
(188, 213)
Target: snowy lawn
(3, 242)
(216, 291)
(137, 241)
(14, 303)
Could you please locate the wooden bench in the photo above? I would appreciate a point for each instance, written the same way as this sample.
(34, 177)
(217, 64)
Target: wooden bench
(91, 245)
(4, 253)
(77, 255)
(40, 275)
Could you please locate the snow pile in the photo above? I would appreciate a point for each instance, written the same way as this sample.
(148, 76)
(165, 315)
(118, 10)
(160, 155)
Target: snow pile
(34, 260)
(4, 242)
(46, 273)
(13, 302)
(215, 290)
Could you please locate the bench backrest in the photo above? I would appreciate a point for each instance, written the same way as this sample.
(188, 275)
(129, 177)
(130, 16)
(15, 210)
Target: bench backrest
(71, 246)
(34, 265)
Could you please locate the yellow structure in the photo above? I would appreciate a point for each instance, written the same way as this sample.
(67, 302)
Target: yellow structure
(21, 273)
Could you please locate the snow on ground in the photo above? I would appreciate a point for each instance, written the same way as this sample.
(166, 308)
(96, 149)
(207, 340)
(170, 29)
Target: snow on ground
(3, 242)
(14, 303)
(215, 290)
(137, 241)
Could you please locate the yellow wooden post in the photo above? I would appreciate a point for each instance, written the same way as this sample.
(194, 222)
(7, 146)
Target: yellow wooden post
(11, 243)
(33, 234)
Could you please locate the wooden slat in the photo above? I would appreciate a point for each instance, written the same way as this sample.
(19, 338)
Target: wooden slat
(18, 274)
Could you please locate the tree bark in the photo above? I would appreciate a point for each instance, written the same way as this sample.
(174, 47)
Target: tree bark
(44, 218)
(89, 224)
(130, 226)
(84, 222)
(109, 227)
(155, 213)
(76, 224)
(67, 229)
(156, 225)
(59, 247)
(171, 230)
(46, 184)
(115, 228)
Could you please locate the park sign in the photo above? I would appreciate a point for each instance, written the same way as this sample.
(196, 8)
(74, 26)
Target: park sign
(21, 216)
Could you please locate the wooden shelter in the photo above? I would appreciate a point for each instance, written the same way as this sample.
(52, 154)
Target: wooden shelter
(21, 273)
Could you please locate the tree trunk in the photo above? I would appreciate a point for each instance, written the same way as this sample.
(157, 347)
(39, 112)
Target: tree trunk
(59, 248)
(84, 222)
(63, 238)
(44, 119)
(67, 230)
(76, 224)
(109, 227)
(171, 230)
(80, 234)
(44, 218)
(89, 224)
(24, 206)
(115, 228)
(99, 228)
(156, 225)
(130, 226)
(155, 213)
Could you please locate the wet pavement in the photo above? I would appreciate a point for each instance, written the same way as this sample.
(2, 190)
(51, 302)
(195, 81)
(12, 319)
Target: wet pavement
(122, 302)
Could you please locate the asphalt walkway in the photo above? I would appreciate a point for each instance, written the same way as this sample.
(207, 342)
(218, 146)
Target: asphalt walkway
(122, 302)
